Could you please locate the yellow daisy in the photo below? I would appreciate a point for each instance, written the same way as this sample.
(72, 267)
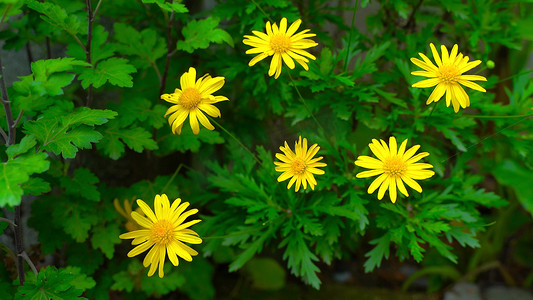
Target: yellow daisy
(283, 44)
(447, 76)
(299, 165)
(394, 167)
(194, 98)
(164, 232)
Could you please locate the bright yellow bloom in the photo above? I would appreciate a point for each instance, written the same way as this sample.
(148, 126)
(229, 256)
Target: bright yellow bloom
(283, 44)
(130, 225)
(394, 167)
(164, 232)
(193, 98)
(447, 76)
(299, 165)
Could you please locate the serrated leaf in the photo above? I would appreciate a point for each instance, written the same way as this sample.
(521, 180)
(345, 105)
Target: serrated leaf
(176, 7)
(82, 184)
(81, 281)
(105, 238)
(100, 48)
(55, 132)
(25, 144)
(50, 283)
(378, 253)
(136, 138)
(17, 171)
(199, 34)
(146, 44)
(114, 70)
(189, 141)
(300, 259)
(122, 282)
(56, 15)
(75, 219)
(36, 186)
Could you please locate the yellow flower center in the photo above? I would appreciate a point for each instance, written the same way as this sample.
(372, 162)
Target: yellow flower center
(394, 166)
(190, 98)
(298, 166)
(280, 43)
(448, 73)
(162, 232)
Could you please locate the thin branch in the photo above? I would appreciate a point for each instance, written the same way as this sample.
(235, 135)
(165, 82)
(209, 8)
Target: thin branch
(88, 47)
(8, 221)
(79, 42)
(30, 263)
(96, 10)
(7, 107)
(4, 135)
(350, 36)
(19, 244)
(163, 79)
(21, 113)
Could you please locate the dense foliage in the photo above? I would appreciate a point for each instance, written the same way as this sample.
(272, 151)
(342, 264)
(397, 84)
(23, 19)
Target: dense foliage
(85, 126)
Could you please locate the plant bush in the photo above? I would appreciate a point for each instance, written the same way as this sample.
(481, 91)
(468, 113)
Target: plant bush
(85, 135)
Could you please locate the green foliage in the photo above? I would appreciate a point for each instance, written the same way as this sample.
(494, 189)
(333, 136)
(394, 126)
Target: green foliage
(17, 170)
(67, 134)
(199, 34)
(101, 85)
(52, 283)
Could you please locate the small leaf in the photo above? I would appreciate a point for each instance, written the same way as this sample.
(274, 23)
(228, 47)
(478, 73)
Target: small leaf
(105, 238)
(199, 34)
(115, 70)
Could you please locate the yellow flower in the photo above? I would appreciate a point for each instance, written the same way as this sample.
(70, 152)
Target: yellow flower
(447, 76)
(126, 213)
(394, 167)
(300, 164)
(283, 44)
(164, 232)
(194, 98)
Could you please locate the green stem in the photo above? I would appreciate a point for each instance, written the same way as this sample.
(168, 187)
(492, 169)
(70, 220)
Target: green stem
(515, 75)
(236, 139)
(173, 176)
(350, 36)
(261, 9)
(498, 117)
(305, 103)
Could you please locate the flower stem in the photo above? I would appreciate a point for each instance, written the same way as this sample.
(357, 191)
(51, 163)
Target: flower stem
(236, 139)
(305, 103)
(261, 9)
(350, 36)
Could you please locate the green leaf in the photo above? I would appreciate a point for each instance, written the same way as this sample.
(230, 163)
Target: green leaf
(147, 44)
(25, 144)
(82, 184)
(17, 171)
(36, 186)
(81, 281)
(199, 34)
(100, 48)
(122, 281)
(176, 7)
(136, 138)
(188, 141)
(50, 283)
(56, 133)
(105, 238)
(75, 218)
(114, 70)
(172, 280)
(300, 258)
(56, 15)
(376, 255)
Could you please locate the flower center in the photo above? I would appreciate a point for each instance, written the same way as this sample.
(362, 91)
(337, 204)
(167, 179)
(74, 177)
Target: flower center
(190, 98)
(162, 232)
(280, 43)
(298, 166)
(448, 73)
(394, 166)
